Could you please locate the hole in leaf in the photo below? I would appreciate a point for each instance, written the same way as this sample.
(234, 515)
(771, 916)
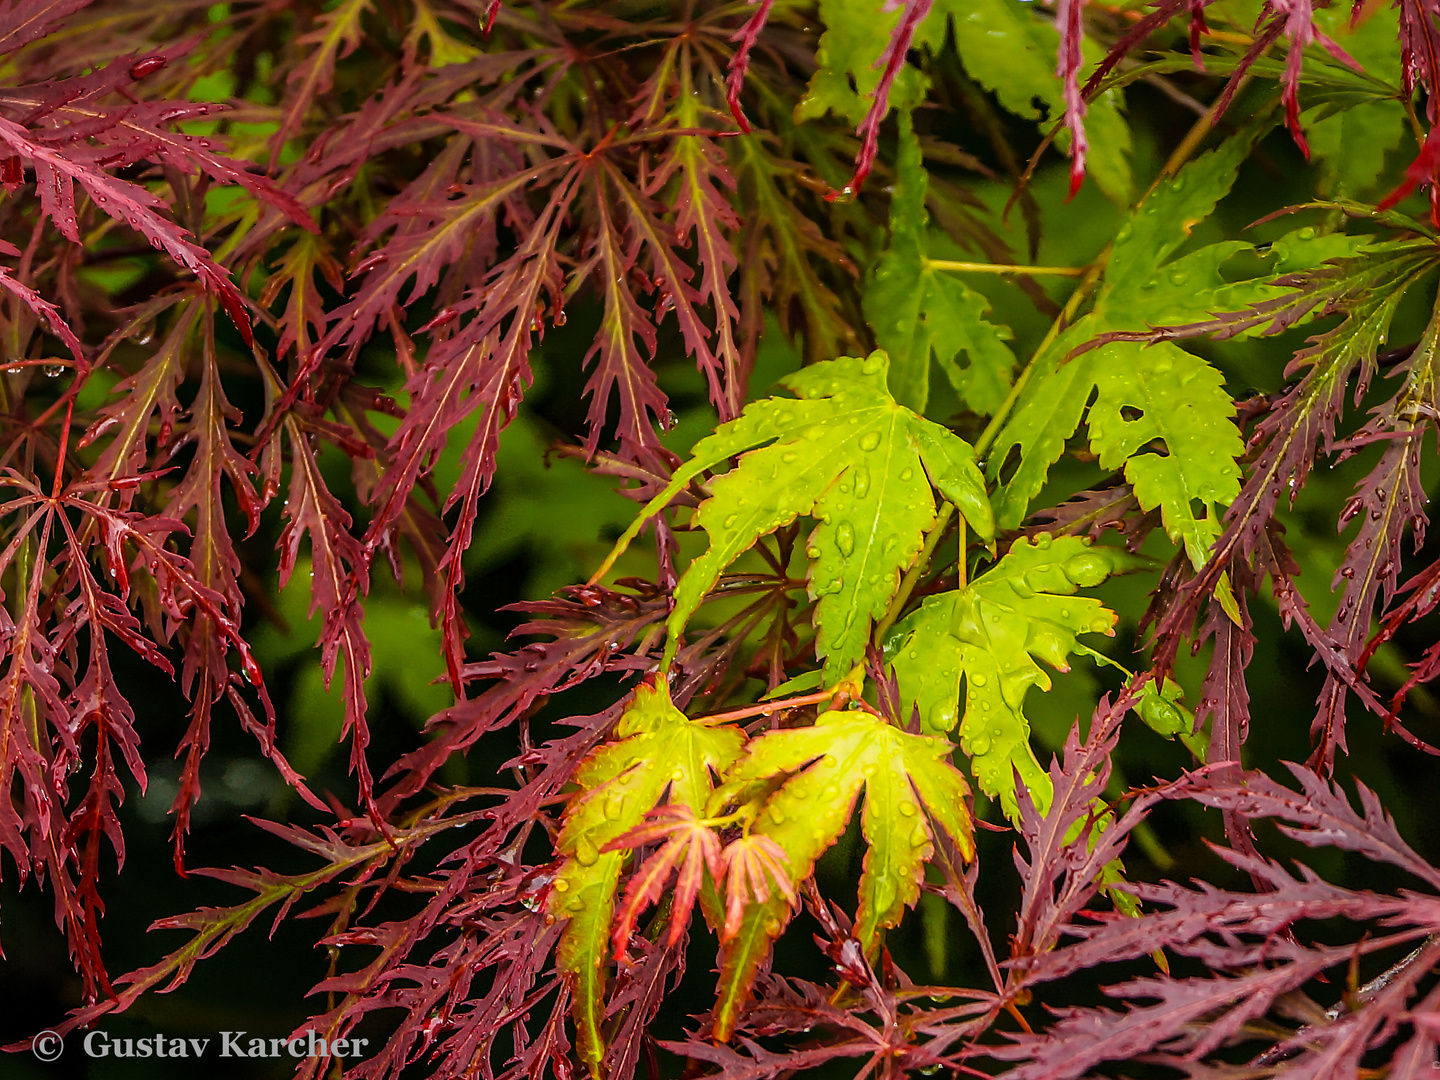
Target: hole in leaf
(1011, 465)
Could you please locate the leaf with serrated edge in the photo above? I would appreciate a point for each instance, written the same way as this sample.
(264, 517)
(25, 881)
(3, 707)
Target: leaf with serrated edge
(917, 310)
(992, 632)
(658, 748)
(1183, 404)
(1141, 289)
(910, 789)
(852, 457)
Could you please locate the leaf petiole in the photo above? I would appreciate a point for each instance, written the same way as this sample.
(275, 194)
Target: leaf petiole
(912, 576)
(767, 708)
(1003, 268)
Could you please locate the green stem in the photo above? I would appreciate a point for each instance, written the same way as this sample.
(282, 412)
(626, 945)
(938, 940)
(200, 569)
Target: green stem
(1078, 297)
(912, 578)
(1002, 268)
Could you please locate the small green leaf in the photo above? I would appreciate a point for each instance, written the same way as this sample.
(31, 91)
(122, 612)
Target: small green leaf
(917, 310)
(1173, 406)
(992, 632)
(1164, 712)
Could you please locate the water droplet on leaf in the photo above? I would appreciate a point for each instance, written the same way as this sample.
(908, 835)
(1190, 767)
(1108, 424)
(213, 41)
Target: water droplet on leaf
(586, 853)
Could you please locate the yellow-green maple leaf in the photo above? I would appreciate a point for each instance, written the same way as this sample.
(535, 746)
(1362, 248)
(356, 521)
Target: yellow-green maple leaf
(849, 455)
(658, 748)
(911, 789)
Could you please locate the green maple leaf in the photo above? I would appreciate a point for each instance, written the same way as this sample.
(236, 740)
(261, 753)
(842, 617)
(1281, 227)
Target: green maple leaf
(1141, 289)
(849, 455)
(911, 789)
(1164, 393)
(992, 632)
(1159, 412)
(917, 310)
(658, 748)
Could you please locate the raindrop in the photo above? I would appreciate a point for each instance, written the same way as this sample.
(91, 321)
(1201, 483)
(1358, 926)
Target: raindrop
(148, 66)
(1085, 569)
(586, 853)
(869, 441)
(845, 538)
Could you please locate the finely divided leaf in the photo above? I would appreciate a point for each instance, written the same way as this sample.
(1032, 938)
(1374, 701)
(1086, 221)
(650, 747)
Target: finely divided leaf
(1025, 77)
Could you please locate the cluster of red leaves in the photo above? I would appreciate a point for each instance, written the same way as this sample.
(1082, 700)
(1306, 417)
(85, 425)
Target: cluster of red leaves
(501, 196)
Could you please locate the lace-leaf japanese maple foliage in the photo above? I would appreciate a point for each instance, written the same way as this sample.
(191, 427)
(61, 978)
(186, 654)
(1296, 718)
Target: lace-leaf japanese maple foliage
(972, 393)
